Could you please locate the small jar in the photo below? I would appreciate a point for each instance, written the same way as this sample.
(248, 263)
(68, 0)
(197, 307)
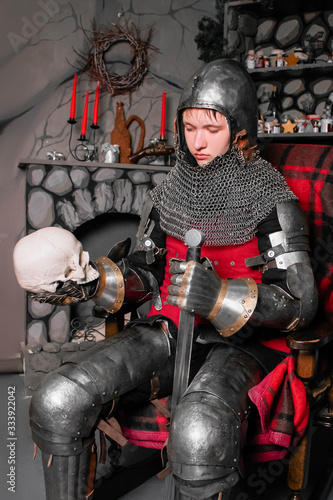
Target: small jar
(326, 125)
(300, 126)
(272, 61)
(276, 57)
(250, 63)
(268, 127)
(260, 62)
(111, 153)
(279, 61)
(260, 129)
(315, 126)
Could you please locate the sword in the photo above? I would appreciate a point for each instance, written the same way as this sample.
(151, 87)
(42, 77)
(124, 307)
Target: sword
(194, 240)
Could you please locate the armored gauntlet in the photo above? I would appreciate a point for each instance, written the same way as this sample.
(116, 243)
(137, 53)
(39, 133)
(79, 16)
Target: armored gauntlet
(227, 304)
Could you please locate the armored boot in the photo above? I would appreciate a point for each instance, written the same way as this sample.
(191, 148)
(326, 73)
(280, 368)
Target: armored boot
(69, 403)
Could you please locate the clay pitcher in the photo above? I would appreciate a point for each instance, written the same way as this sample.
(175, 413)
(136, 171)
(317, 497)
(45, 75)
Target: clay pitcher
(120, 134)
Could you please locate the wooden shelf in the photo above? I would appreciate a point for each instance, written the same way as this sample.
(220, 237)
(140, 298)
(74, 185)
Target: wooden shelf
(320, 68)
(317, 138)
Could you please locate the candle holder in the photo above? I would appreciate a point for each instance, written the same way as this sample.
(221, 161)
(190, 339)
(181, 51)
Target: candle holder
(84, 151)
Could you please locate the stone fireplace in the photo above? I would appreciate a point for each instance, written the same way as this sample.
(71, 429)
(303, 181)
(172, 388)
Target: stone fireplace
(100, 203)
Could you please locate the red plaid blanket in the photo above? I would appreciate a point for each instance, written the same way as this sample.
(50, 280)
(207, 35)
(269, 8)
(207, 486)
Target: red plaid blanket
(280, 398)
(309, 174)
(146, 426)
(283, 410)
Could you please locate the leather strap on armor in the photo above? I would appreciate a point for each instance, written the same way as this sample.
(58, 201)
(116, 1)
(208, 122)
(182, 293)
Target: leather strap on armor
(155, 387)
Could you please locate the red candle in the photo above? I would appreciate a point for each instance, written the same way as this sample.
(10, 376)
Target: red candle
(95, 116)
(73, 101)
(162, 135)
(85, 116)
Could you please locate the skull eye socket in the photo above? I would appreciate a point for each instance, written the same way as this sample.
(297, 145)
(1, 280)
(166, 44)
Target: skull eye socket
(59, 284)
(68, 272)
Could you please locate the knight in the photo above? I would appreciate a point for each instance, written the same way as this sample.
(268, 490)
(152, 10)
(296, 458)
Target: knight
(252, 286)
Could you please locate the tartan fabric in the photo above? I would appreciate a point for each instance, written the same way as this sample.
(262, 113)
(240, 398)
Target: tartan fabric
(283, 410)
(308, 171)
(145, 425)
(280, 398)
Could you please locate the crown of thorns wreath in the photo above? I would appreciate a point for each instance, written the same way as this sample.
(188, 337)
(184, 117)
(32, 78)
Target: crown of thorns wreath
(101, 41)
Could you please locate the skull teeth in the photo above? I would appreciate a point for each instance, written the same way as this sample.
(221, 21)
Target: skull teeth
(93, 276)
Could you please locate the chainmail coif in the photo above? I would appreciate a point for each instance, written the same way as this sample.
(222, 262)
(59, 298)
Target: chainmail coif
(225, 199)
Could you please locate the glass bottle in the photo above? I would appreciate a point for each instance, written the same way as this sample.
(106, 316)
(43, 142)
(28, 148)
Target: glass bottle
(274, 107)
(120, 134)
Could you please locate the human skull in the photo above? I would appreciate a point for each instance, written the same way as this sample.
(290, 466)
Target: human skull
(48, 256)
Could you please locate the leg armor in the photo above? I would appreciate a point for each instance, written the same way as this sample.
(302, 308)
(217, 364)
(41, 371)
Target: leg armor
(69, 403)
(209, 425)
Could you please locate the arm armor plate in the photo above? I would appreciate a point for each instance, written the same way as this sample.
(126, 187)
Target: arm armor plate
(120, 287)
(235, 305)
(295, 304)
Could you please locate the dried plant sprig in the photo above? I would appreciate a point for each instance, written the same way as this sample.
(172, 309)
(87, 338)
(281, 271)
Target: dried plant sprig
(101, 41)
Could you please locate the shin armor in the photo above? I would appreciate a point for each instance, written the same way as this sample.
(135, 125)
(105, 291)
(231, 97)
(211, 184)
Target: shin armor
(209, 425)
(68, 404)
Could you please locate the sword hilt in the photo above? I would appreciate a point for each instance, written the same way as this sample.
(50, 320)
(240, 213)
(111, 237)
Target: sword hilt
(194, 239)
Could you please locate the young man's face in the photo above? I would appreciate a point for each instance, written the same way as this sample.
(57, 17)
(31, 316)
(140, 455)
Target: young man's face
(206, 135)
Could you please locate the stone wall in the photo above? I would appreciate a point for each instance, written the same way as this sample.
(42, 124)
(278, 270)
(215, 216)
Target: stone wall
(305, 90)
(42, 359)
(68, 196)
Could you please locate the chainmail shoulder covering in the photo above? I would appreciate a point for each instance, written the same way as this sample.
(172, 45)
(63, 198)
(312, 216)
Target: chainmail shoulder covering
(225, 199)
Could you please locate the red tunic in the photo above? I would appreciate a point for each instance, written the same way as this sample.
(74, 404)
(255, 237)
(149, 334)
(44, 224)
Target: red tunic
(228, 261)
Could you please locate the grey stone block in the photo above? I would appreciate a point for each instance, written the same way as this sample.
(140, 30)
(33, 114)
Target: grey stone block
(45, 362)
(86, 344)
(70, 347)
(51, 347)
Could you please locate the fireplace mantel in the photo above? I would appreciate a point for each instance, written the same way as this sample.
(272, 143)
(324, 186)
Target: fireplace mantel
(69, 194)
(25, 162)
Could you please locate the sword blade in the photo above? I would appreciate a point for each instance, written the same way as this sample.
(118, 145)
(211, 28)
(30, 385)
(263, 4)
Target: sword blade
(194, 239)
(183, 356)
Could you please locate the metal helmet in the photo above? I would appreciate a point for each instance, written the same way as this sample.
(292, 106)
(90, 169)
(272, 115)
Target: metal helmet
(223, 85)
